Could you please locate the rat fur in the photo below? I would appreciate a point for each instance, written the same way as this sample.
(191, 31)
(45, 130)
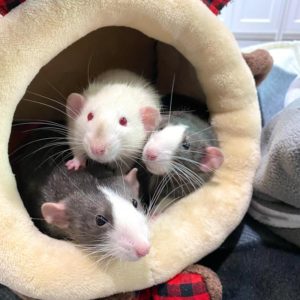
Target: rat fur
(181, 155)
(110, 121)
(102, 216)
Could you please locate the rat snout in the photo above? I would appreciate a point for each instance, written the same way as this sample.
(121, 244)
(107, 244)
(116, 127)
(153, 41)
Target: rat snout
(98, 149)
(151, 154)
(142, 249)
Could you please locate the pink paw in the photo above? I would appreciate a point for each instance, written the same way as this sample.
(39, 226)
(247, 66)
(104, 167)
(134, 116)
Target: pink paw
(75, 164)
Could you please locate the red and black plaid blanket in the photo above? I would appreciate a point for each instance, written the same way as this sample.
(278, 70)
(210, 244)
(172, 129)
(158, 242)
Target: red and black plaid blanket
(214, 5)
(184, 286)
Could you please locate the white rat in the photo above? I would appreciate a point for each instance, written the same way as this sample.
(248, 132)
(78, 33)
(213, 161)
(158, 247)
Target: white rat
(111, 120)
(181, 155)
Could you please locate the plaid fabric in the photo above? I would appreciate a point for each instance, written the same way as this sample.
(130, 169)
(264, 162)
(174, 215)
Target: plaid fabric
(184, 286)
(8, 5)
(214, 5)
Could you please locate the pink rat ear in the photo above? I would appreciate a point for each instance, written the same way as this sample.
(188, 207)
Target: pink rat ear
(55, 213)
(131, 179)
(212, 160)
(150, 117)
(75, 104)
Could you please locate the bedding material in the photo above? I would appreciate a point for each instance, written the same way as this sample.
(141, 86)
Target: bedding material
(276, 199)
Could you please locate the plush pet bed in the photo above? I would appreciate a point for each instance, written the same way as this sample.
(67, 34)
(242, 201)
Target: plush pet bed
(51, 39)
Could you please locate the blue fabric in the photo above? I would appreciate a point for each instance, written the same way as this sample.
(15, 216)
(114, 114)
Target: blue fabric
(272, 91)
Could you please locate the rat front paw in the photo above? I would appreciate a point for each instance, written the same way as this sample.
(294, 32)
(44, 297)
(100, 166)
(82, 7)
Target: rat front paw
(75, 164)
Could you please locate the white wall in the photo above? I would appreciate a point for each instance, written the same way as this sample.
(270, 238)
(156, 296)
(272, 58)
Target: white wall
(258, 21)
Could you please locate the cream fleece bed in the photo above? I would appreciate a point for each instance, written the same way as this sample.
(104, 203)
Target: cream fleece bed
(30, 37)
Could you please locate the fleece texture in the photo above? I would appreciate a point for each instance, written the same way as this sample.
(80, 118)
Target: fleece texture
(276, 186)
(34, 33)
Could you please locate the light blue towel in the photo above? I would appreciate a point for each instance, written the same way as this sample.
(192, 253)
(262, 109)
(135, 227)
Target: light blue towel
(271, 93)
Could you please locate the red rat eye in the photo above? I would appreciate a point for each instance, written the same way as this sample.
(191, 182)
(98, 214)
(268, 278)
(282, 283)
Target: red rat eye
(123, 121)
(90, 116)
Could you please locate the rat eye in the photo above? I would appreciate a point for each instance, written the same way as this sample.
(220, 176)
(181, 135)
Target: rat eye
(90, 116)
(134, 203)
(123, 121)
(186, 145)
(100, 220)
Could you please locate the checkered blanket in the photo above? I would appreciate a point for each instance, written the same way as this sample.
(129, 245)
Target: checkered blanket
(187, 286)
(214, 5)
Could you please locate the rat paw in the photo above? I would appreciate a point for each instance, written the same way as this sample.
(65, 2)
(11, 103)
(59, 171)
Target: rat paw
(75, 164)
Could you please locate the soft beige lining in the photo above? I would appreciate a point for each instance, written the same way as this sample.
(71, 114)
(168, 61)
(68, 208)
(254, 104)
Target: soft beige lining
(35, 32)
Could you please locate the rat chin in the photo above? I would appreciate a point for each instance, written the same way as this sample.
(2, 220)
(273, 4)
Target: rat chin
(157, 169)
(105, 158)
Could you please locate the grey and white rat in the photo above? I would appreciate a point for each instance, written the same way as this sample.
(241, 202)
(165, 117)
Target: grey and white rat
(103, 216)
(181, 155)
(110, 121)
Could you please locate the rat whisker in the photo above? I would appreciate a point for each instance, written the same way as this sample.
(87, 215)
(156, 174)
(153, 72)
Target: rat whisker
(157, 193)
(53, 100)
(38, 122)
(48, 105)
(181, 169)
(88, 68)
(135, 160)
(31, 142)
(47, 98)
(120, 168)
(56, 90)
(201, 131)
(171, 98)
(50, 127)
(192, 175)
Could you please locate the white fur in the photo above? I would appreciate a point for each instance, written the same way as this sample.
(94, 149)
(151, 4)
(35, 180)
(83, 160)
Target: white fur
(165, 143)
(109, 101)
(130, 227)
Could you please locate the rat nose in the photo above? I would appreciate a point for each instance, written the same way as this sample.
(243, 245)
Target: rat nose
(97, 149)
(142, 250)
(151, 154)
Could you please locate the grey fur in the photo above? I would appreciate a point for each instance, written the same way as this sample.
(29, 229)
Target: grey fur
(42, 178)
(199, 134)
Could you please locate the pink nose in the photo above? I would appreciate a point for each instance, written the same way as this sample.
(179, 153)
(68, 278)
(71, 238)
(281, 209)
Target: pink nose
(151, 154)
(98, 149)
(142, 250)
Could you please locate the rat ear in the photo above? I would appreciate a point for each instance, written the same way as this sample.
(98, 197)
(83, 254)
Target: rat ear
(131, 179)
(212, 160)
(150, 117)
(75, 104)
(55, 213)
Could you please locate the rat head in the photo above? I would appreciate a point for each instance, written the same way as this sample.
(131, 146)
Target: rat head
(108, 221)
(183, 144)
(111, 120)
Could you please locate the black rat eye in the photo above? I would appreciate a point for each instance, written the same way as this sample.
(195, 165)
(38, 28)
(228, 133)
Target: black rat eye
(185, 145)
(100, 220)
(134, 203)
